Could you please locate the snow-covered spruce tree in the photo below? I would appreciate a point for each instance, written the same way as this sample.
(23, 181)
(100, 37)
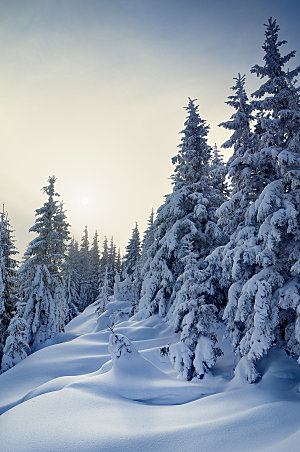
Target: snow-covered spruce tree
(195, 317)
(242, 172)
(72, 280)
(41, 281)
(95, 266)
(131, 269)
(148, 240)
(105, 292)
(218, 173)
(111, 265)
(16, 345)
(133, 252)
(8, 279)
(185, 225)
(261, 259)
(86, 289)
(119, 264)
(103, 263)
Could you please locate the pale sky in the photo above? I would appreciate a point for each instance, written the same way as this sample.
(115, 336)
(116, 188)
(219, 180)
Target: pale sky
(93, 92)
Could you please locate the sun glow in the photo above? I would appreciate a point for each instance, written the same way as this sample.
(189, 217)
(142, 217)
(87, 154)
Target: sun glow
(84, 200)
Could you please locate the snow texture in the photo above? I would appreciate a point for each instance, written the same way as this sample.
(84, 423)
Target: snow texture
(71, 396)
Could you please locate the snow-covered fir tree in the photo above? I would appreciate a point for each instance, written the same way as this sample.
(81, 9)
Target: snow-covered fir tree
(8, 279)
(111, 265)
(16, 345)
(131, 269)
(41, 281)
(218, 173)
(242, 169)
(185, 225)
(104, 294)
(148, 240)
(86, 284)
(72, 280)
(260, 260)
(95, 266)
(103, 262)
(243, 178)
(119, 262)
(133, 252)
(196, 318)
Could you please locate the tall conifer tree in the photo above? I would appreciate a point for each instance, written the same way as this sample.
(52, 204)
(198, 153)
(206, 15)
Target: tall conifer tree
(42, 286)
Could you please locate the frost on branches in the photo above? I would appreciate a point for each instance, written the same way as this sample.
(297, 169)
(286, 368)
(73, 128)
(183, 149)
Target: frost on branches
(261, 261)
(186, 226)
(42, 285)
(72, 281)
(8, 279)
(16, 346)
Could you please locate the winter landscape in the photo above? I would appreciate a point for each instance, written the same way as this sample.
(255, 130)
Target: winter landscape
(190, 338)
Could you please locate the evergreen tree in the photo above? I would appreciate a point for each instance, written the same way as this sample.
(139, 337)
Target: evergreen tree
(42, 285)
(260, 261)
(105, 292)
(231, 214)
(196, 319)
(131, 271)
(16, 345)
(111, 265)
(103, 261)
(133, 252)
(119, 264)
(95, 266)
(186, 226)
(8, 278)
(218, 173)
(72, 281)
(86, 286)
(148, 240)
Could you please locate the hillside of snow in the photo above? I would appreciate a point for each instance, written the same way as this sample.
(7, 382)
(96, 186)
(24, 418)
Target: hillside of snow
(92, 390)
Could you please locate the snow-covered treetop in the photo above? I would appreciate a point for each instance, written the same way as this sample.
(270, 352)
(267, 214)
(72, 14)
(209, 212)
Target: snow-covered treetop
(133, 251)
(194, 153)
(240, 120)
(278, 80)
(49, 247)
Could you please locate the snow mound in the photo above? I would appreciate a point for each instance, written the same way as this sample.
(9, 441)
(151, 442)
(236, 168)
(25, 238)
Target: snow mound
(99, 391)
(138, 379)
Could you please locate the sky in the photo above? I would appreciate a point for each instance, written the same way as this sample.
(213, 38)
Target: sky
(93, 92)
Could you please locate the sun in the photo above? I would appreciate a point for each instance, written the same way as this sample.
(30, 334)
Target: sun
(84, 200)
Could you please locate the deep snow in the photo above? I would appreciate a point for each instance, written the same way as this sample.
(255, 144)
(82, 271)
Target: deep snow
(70, 396)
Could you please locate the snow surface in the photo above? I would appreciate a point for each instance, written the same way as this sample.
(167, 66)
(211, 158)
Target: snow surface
(70, 396)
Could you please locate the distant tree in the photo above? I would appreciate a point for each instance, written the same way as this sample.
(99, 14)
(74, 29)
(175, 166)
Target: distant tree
(42, 285)
(111, 265)
(8, 278)
(133, 252)
(103, 261)
(119, 263)
(72, 280)
(95, 266)
(86, 285)
(131, 269)
(103, 297)
(148, 240)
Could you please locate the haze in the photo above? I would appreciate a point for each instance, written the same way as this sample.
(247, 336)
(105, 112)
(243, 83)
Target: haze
(93, 92)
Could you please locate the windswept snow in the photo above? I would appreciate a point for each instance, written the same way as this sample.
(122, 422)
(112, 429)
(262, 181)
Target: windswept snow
(71, 396)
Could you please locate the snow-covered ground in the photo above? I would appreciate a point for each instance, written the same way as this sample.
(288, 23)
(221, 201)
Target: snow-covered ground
(70, 396)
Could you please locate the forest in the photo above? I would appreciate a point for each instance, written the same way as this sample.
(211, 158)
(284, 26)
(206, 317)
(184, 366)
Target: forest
(222, 250)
